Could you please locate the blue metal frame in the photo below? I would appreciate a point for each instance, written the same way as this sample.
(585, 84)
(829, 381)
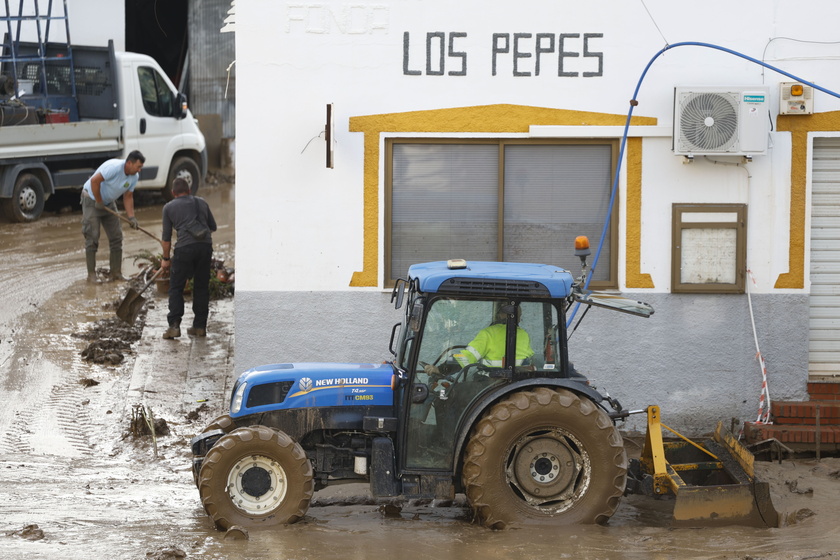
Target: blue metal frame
(12, 54)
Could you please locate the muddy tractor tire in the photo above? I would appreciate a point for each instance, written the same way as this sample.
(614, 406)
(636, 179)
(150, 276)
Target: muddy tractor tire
(255, 477)
(27, 201)
(545, 455)
(182, 168)
(223, 422)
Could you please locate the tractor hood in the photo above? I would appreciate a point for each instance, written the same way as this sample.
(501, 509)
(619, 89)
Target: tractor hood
(306, 385)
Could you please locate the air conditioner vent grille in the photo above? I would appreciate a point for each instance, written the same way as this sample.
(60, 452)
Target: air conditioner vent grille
(709, 121)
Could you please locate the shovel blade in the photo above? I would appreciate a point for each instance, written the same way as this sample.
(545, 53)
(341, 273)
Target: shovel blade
(716, 506)
(130, 306)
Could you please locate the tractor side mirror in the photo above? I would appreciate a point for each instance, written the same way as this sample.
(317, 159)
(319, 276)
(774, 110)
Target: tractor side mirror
(399, 292)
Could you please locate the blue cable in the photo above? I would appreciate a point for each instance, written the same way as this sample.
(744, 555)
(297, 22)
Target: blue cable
(633, 103)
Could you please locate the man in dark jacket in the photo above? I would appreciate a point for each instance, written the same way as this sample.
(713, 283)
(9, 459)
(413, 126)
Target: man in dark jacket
(193, 221)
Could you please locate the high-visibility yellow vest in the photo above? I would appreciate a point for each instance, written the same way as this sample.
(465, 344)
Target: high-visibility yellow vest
(488, 347)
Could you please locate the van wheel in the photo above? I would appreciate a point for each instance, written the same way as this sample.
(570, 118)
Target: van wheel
(182, 168)
(27, 201)
(255, 477)
(545, 455)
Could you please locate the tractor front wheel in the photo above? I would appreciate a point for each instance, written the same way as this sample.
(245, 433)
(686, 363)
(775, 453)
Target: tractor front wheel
(545, 455)
(255, 477)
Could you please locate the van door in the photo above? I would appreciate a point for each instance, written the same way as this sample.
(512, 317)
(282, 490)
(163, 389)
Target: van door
(156, 127)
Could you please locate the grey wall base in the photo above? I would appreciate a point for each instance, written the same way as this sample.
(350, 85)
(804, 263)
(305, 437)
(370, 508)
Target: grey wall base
(695, 357)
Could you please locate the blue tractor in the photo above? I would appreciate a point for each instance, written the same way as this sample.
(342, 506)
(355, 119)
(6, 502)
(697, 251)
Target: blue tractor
(480, 399)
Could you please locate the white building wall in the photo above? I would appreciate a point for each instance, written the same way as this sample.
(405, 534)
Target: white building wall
(301, 227)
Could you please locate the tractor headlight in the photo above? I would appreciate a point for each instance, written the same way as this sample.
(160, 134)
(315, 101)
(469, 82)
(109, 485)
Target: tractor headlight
(236, 402)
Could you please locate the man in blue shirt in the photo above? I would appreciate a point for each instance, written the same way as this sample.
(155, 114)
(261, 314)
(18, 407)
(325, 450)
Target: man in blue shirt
(114, 179)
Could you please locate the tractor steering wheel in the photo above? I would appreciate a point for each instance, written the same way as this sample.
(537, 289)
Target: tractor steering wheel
(448, 352)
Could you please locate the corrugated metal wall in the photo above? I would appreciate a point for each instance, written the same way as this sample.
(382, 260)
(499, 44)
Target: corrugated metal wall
(212, 91)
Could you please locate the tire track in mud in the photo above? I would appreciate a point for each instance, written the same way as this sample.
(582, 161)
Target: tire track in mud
(67, 403)
(15, 439)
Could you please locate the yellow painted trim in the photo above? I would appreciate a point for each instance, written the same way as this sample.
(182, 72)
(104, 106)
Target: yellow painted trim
(633, 267)
(799, 126)
(495, 119)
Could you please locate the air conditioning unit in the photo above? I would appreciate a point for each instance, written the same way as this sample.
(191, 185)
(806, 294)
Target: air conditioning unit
(731, 121)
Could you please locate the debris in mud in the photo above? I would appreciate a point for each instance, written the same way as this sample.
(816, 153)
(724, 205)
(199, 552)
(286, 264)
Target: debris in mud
(29, 532)
(88, 382)
(793, 486)
(196, 414)
(800, 515)
(236, 533)
(215, 177)
(142, 421)
(390, 510)
(112, 328)
(106, 352)
(166, 553)
(111, 338)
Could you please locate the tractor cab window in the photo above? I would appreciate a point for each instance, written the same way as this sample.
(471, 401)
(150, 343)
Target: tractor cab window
(463, 351)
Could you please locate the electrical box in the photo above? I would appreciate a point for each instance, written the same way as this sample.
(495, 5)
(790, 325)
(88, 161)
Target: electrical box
(795, 99)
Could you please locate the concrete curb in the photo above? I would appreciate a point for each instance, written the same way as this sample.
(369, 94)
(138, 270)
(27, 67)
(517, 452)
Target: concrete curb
(179, 375)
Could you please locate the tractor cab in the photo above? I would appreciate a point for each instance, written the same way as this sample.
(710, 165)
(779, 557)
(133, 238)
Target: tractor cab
(473, 330)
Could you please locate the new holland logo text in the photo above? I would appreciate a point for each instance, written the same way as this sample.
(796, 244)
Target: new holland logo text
(306, 384)
(339, 381)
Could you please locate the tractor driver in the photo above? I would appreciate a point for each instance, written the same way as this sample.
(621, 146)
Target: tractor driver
(488, 346)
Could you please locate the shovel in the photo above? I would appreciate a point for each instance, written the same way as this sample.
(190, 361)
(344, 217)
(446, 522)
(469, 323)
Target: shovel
(147, 232)
(133, 301)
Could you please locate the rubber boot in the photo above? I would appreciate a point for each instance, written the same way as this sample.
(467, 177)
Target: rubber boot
(116, 266)
(174, 331)
(90, 257)
(197, 331)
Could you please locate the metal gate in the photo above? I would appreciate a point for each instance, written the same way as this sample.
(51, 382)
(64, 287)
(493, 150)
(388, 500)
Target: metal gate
(824, 302)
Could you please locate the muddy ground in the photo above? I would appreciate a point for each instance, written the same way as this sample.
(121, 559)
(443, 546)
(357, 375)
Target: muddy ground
(77, 483)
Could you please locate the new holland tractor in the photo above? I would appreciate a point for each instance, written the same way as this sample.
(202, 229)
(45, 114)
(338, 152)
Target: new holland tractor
(502, 417)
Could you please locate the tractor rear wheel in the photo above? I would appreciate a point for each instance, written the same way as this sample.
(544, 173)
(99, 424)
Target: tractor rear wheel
(545, 455)
(255, 477)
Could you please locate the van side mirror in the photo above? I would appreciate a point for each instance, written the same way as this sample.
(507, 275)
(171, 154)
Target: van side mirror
(181, 106)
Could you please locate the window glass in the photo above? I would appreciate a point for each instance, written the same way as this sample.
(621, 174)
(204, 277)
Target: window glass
(552, 195)
(157, 97)
(450, 200)
(148, 90)
(463, 344)
(164, 95)
(445, 205)
(709, 248)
